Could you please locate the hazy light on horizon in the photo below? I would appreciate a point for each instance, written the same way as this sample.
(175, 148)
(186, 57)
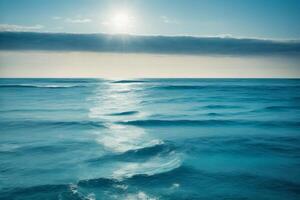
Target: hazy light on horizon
(114, 65)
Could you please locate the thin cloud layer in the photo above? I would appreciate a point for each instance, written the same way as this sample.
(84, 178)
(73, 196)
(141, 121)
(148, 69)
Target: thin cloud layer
(78, 20)
(145, 44)
(20, 28)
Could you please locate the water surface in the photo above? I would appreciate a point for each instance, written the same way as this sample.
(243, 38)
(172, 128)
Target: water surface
(150, 139)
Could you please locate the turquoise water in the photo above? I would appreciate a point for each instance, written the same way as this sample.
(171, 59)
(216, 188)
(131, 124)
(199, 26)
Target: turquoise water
(150, 139)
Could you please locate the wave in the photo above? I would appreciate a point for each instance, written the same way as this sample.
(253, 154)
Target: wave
(169, 100)
(152, 150)
(153, 122)
(273, 109)
(45, 110)
(9, 148)
(122, 138)
(280, 108)
(137, 154)
(180, 171)
(125, 113)
(178, 122)
(108, 188)
(39, 86)
(277, 145)
(52, 148)
(129, 81)
(154, 166)
(59, 191)
(90, 80)
(191, 177)
(226, 87)
(180, 87)
(52, 124)
(98, 182)
(127, 171)
(124, 143)
(141, 196)
(214, 114)
(221, 107)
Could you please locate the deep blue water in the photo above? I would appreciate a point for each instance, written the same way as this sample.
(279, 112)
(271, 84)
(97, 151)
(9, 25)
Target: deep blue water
(150, 139)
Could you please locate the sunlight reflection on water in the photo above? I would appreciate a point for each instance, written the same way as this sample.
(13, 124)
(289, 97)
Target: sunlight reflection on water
(119, 138)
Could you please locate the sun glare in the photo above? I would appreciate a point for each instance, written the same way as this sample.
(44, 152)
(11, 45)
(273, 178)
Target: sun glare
(122, 22)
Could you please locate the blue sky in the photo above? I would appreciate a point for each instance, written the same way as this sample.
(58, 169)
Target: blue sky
(273, 19)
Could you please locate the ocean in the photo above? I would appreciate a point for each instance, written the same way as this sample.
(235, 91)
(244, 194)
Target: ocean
(152, 139)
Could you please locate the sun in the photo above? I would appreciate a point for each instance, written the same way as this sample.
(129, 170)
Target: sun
(122, 22)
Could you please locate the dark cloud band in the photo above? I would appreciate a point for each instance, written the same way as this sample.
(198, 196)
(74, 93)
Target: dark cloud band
(145, 44)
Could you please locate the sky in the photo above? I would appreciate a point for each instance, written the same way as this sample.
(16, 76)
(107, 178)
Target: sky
(209, 38)
(276, 19)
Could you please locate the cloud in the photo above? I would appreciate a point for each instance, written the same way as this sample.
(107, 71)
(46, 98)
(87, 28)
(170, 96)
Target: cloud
(78, 20)
(145, 44)
(167, 20)
(106, 23)
(19, 28)
(56, 18)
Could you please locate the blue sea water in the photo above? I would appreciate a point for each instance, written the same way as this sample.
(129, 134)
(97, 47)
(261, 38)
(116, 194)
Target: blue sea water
(149, 139)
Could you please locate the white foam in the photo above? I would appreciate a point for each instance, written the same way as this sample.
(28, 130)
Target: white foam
(47, 86)
(153, 166)
(91, 196)
(121, 186)
(139, 196)
(175, 186)
(74, 188)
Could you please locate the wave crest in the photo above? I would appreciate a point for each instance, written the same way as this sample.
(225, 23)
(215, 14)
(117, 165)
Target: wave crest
(212, 122)
(154, 166)
(39, 86)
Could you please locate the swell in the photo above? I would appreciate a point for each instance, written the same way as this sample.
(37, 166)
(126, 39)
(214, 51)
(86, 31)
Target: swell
(129, 81)
(57, 191)
(51, 124)
(196, 178)
(277, 145)
(51, 148)
(90, 80)
(212, 122)
(215, 106)
(40, 86)
(273, 109)
(45, 110)
(124, 113)
(99, 183)
(7, 193)
(137, 154)
(226, 87)
(280, 108)
(180, 87)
